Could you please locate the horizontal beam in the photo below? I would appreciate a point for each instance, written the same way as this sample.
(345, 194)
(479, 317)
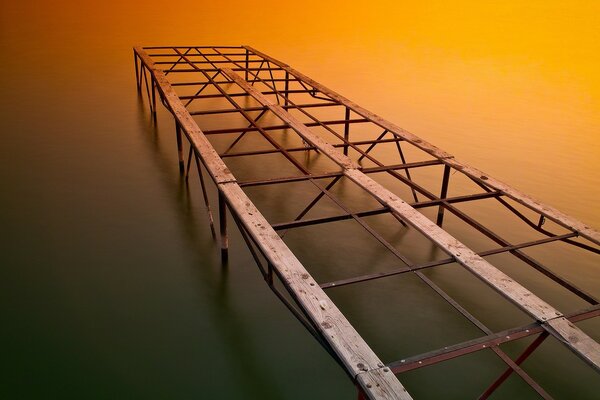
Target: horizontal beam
(202, 54)
(204, 62)
(287, 107)
(383, 210)
(215, 95)
(218, 69)
(223, 82)
(278, 127)
(188, 47)
(437, 263)
(307, 148)
(366, 170)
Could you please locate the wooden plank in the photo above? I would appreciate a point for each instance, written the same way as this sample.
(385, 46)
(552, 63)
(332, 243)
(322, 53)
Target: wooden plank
(214, 164)
(350, 347)
(293, 122)
(377, 382)
(580, 343)
(506, 286)
(562, 219)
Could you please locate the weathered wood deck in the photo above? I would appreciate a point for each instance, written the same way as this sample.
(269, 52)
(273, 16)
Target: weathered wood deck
(276, 88)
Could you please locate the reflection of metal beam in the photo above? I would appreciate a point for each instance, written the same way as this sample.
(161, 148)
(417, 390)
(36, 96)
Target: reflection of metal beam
(234, 110)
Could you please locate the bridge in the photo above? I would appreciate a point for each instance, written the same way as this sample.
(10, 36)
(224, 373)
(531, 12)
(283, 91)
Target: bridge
(322, 140)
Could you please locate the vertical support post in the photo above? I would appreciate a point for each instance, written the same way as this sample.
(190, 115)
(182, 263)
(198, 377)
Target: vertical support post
(145, 77)
(223, 227)
(247, 63)
(443, 193)
(542, 221)
(179, 148)
(153, 82)
(270, 274)
(189, 163)
(138, 81)
(204, 194)
(286, 89)
(346, 130)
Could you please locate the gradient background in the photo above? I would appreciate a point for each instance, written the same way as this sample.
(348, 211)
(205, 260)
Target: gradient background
(109, 286)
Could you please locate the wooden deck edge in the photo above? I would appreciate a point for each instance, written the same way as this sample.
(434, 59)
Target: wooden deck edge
(345, 341)
(551, 213)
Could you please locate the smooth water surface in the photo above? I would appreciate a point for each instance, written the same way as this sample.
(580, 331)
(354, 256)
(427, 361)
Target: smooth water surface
(110, 283)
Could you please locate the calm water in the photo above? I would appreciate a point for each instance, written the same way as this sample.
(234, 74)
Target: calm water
(110, 282)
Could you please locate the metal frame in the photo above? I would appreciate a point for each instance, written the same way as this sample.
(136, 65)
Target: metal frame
(279, 89)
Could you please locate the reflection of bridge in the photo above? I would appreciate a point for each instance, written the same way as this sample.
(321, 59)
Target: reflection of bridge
(190, 81)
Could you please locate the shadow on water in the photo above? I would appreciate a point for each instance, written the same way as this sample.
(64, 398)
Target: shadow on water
(231, 329)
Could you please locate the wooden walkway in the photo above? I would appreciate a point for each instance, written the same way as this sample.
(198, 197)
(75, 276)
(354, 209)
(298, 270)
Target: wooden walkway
(190, 80)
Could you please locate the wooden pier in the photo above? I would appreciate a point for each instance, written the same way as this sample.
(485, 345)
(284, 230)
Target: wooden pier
(254, 88)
